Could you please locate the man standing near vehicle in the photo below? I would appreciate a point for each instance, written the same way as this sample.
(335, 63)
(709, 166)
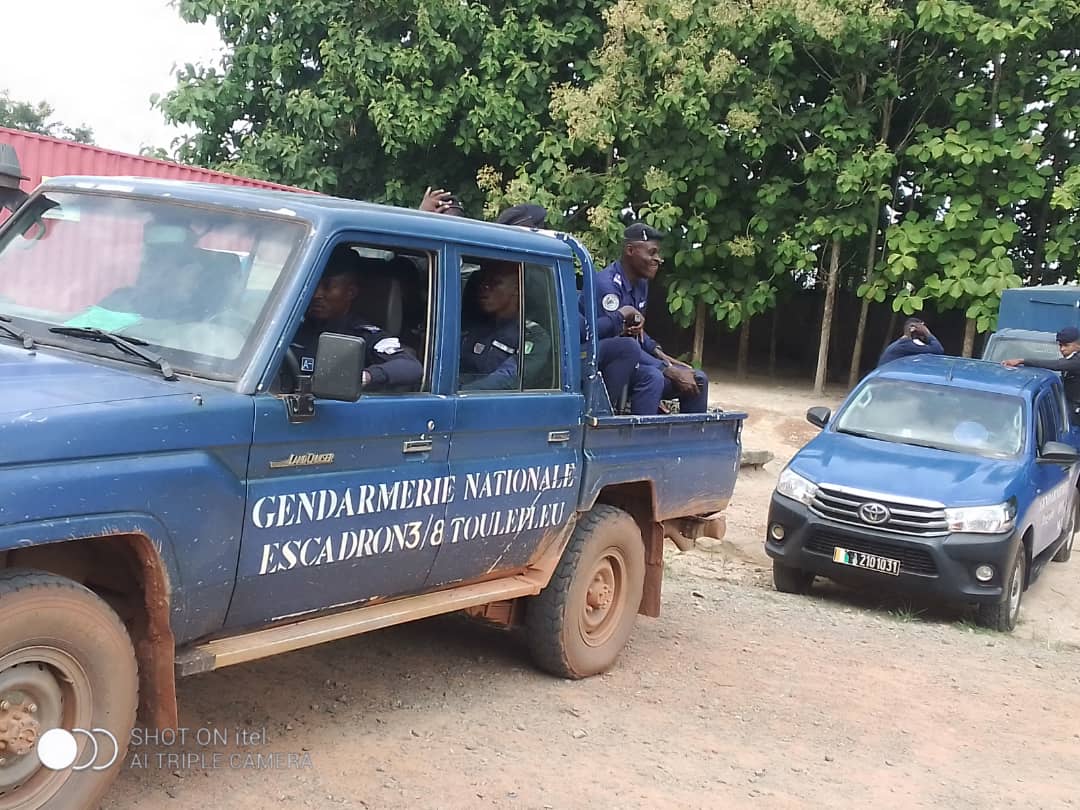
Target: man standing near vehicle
(1068, 340)
(11, 196)
(622, 290)
(916, 339)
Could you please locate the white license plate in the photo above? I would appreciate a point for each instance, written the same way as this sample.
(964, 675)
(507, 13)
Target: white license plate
(871, 562)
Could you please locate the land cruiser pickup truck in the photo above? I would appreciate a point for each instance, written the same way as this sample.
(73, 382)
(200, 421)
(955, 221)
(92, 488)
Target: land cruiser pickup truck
(937, 476)
(178, 494)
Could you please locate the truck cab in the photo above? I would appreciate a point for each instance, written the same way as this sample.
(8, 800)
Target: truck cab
(184, 491)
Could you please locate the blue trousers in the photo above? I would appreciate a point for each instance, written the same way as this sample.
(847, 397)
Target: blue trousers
(617, 358)
(648, 386)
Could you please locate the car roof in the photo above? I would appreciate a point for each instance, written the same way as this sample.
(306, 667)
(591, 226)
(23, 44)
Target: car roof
(960, 372)
(326, 213)
(1028, 334)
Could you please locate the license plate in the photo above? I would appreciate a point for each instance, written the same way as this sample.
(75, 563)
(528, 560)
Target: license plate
(871, 562)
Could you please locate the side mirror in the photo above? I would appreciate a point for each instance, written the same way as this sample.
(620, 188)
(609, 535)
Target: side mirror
(1059, 453)
(818, 416)
(339, 367)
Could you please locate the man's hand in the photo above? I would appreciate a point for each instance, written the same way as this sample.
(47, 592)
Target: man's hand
(920, 331)
(633, 321)
(667, 358)
(1012, 363)
(682, 377)
(436, 201)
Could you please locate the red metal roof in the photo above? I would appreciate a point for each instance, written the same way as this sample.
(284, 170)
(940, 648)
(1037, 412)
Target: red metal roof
(42, 157)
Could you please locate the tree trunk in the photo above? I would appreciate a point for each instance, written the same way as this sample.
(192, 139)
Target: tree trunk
(696, 356)
(891, 330)
(826, 317)
(744, 350)
(772, 345)
(856, 353)
(969, 338)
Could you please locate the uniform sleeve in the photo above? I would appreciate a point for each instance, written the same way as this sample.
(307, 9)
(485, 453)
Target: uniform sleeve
(392, 365)
(608, 324)
(648, 344)
(503, 378)
(1065, 364)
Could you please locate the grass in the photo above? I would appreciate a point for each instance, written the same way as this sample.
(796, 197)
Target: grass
(906, 614)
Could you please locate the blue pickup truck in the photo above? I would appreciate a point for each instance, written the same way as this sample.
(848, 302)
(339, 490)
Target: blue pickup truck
(180, 495)
(939, 476)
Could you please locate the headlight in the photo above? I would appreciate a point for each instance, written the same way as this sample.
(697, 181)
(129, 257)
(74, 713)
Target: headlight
(794, 486)
(982, 519)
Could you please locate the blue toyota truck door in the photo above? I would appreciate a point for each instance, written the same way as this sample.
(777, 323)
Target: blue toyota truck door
(1054, 492)
(346, 507)
(516, 450)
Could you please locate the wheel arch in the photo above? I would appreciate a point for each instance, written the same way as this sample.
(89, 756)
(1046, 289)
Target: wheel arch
(638, 498)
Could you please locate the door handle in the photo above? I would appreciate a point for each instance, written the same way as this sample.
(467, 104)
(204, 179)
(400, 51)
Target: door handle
(558, 436)
(416, 446)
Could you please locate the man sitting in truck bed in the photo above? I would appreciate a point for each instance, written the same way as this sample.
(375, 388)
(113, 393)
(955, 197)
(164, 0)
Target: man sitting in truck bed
(389, 365)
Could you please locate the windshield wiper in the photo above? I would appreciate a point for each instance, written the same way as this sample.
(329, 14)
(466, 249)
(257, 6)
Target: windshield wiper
(128, 345)
(15, 332)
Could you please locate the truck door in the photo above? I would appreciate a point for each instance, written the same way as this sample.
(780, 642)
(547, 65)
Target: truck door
(516, 451)
(1053, 482)
(342, 508)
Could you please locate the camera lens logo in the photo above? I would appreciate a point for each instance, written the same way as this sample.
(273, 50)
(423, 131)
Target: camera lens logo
(58, 749)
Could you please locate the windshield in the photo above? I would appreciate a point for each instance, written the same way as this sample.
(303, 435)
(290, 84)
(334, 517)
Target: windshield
(936, 416)
(1008, 348)
(193, 283)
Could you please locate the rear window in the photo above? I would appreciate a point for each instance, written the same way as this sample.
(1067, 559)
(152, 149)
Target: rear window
(938, 416)
(1007, 348)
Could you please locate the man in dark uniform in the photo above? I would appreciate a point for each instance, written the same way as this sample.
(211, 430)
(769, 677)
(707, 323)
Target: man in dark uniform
(622, 290)
(915, 340)
(11, 196)
(388, 365)
(1068, 340)
(492, 358)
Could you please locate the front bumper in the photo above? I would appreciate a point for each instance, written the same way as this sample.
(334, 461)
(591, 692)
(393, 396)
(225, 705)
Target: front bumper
(938, 566)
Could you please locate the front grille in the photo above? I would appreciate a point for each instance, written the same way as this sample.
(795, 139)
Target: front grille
(904, 518)
(913, 559)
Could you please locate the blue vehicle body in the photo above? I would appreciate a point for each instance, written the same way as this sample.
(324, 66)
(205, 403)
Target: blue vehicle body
(183, 480)
(1028, 320)
(924, 490)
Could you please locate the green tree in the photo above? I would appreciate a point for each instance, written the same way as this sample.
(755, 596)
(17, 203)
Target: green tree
(35, 118)
(378, 99)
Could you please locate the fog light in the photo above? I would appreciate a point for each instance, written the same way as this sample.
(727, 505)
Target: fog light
(776, 531)
(984, 573)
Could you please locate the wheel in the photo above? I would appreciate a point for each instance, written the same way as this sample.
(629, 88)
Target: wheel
(579, 623)
(790, 580)
(1065, 552)
(66, 662)
(1002, 615)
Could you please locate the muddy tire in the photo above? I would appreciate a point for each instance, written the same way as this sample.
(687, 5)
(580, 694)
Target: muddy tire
(1065, 552)
(579, 623)
(66, 662)
(1002, 616)
(791, 580)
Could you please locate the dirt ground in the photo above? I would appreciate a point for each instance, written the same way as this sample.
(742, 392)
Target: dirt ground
(735, 697)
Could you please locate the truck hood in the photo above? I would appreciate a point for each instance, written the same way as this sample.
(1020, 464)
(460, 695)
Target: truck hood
(905, 471)
(55, 406)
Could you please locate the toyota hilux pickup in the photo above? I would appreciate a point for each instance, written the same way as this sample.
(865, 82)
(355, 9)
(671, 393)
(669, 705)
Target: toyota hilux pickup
(180, 492)
(939, 476)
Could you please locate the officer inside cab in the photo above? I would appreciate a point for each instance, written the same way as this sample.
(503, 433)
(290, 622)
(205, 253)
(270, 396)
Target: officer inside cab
(622, 290)
(492, 356)
(388, 366)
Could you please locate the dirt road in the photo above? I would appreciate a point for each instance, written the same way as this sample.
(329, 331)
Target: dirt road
(735, 697)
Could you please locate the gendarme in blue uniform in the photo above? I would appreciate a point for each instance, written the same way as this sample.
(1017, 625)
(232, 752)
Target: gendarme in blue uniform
(390, 365)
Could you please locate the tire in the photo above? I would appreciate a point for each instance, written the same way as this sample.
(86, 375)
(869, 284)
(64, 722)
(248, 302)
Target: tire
(579, 623)
(791, 580)
(1065, 552)
(1002, 616)
(66, 662)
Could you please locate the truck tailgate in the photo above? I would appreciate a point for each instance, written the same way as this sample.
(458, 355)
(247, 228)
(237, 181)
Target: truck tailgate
(692, 460)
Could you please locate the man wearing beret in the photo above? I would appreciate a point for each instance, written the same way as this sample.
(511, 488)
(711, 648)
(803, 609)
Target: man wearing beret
(1068, 340)
(622, 290)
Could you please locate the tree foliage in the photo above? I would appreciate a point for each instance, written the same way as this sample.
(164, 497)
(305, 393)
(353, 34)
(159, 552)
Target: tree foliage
(30, 117)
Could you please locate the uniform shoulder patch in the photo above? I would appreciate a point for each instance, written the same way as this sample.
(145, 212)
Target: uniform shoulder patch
(610, 302)
(390, 345)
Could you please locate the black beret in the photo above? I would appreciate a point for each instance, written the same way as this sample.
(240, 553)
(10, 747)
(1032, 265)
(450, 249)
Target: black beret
(640, 232)
(1070, 334)
(525, 215)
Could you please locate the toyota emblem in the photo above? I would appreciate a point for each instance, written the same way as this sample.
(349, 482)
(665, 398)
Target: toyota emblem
(874, 513)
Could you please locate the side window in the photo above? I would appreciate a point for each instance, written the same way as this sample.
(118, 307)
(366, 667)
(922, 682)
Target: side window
(509, 334)
(382, 294)
(1046, 426)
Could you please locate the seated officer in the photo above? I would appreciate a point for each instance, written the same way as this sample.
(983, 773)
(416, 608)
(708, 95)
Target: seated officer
(388, 364)
(491, 334)
(622, 290)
